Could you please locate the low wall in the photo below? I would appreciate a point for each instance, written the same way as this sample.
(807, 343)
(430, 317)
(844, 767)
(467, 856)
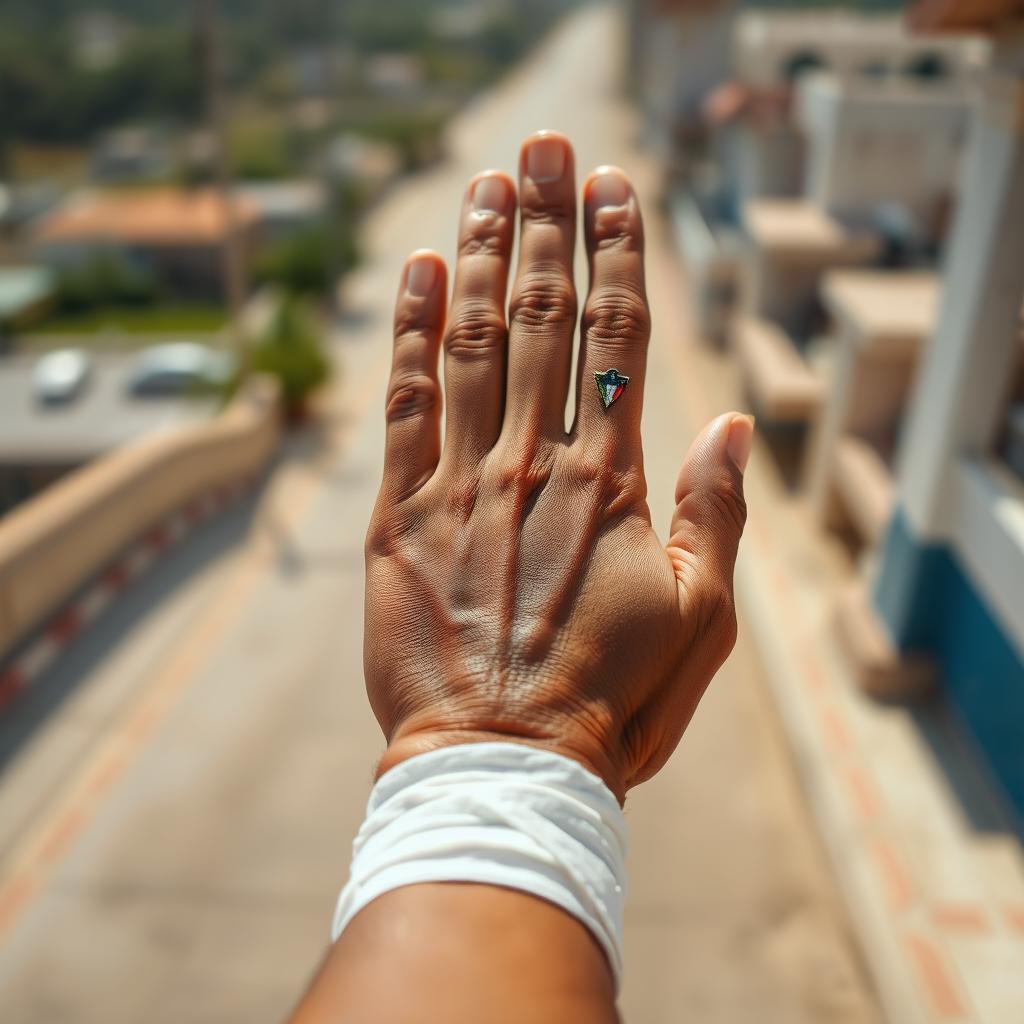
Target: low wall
(53, 543)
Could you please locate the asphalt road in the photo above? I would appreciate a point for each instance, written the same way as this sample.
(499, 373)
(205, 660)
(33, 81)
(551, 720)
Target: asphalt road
(174, 832)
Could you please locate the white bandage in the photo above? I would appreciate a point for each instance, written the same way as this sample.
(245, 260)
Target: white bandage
(502, 814)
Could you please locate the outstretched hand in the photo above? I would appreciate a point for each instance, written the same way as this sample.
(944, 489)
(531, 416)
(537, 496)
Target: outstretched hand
(516, 589)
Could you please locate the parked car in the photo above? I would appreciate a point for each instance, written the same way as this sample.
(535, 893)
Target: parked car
(179, 368)
(60, 376)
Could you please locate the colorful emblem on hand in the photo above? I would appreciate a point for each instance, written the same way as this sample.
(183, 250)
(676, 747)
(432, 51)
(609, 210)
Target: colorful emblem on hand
(610, 386)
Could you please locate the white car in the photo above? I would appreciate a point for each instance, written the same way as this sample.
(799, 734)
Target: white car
(61, 376)
(179, 368)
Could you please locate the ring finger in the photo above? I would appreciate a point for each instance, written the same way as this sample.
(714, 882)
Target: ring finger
(616, 322)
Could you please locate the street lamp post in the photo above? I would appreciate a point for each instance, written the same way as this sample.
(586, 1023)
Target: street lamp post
(233, 255)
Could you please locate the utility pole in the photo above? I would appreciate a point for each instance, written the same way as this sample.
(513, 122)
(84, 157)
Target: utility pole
(336, 22)
(217, 120)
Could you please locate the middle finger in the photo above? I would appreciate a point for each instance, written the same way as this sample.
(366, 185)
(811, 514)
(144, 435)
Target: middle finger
(542, 311)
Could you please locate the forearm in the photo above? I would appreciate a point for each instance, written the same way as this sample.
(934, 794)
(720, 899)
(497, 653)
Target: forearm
(487, 883)
(458, 953)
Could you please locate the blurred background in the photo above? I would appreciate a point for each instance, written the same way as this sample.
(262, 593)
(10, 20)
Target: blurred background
(204, 209)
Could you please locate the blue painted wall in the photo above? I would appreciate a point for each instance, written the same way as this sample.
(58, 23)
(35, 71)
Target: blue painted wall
(930, 603)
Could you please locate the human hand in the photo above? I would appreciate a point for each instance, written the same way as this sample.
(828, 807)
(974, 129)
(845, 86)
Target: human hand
(515, 588)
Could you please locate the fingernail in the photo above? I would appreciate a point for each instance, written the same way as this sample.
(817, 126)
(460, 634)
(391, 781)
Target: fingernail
(545, 159)
(490, 195)
(420, 277)
(608, 188)
(740, 440)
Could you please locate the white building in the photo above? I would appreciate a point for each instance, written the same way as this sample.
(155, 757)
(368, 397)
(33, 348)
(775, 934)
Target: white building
(950, 585)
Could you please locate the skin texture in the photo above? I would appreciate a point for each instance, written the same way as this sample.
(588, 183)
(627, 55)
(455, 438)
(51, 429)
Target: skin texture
(515, 587)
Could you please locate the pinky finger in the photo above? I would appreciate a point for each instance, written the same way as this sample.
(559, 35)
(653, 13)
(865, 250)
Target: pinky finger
(413, 444)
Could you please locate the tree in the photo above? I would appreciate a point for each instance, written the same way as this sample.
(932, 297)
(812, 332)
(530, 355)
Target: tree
(291, 352)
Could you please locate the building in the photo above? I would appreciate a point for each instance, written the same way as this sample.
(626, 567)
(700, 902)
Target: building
(680, 50)
(176, 235)
(770, 46)
(135, 153)
(910, 130)
(284, 208)
(950, 583)
(371, 164)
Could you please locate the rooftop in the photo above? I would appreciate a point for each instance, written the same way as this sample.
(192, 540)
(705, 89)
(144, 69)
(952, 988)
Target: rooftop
(161, 216)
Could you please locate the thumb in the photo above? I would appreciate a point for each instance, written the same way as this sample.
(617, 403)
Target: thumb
(710, 510)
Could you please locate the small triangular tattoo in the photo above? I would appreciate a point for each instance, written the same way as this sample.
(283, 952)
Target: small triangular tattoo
(610, 386)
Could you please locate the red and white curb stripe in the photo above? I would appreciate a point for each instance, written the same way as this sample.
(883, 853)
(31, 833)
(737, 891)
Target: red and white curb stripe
(28, 665)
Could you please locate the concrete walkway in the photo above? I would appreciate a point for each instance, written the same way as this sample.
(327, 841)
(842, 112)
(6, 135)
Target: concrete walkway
(173, 836)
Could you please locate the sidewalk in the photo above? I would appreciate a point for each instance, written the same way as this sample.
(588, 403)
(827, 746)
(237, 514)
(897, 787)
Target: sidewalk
(926, 856)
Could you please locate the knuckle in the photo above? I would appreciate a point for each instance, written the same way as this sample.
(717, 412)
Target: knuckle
(617, 317)
(381, 539)
(520, 468)
(484, 238)
(410, 395)
(411, 324)
(512, 472)
(544, 300)
(615, 229)
(616, 489)
(538, 211)
(476, 332)
(461, 497)
(391, 533)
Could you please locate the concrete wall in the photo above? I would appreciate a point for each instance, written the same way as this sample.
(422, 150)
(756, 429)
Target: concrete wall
(52, 544)
(931, 603)
(874, 142)
(767, 45)
(680, 58)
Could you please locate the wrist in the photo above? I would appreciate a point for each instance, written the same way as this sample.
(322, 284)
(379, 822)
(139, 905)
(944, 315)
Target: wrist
(408, 743)
(495, 813)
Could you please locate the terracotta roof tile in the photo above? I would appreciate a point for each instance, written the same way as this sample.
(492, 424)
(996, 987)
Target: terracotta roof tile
(152, 216)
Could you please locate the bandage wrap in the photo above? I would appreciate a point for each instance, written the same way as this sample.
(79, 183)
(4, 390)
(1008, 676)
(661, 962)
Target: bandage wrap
(501, 814)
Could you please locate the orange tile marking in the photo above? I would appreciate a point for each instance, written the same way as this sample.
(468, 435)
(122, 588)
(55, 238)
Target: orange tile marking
(814, 675)
(106, 774)
(45, 850)
(836, 734)
(12, 899)
(64, 832)
(1015, 917)
(961, 917)
(863, 793)
(934, 976)
(893, 874)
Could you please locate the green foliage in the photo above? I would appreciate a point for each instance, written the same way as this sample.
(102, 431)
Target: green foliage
(306, 263)
(392, 26)
(104, 281)
(46, 98)
(260, 149)
(129, 325)
(416, 134)
(291, 352)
